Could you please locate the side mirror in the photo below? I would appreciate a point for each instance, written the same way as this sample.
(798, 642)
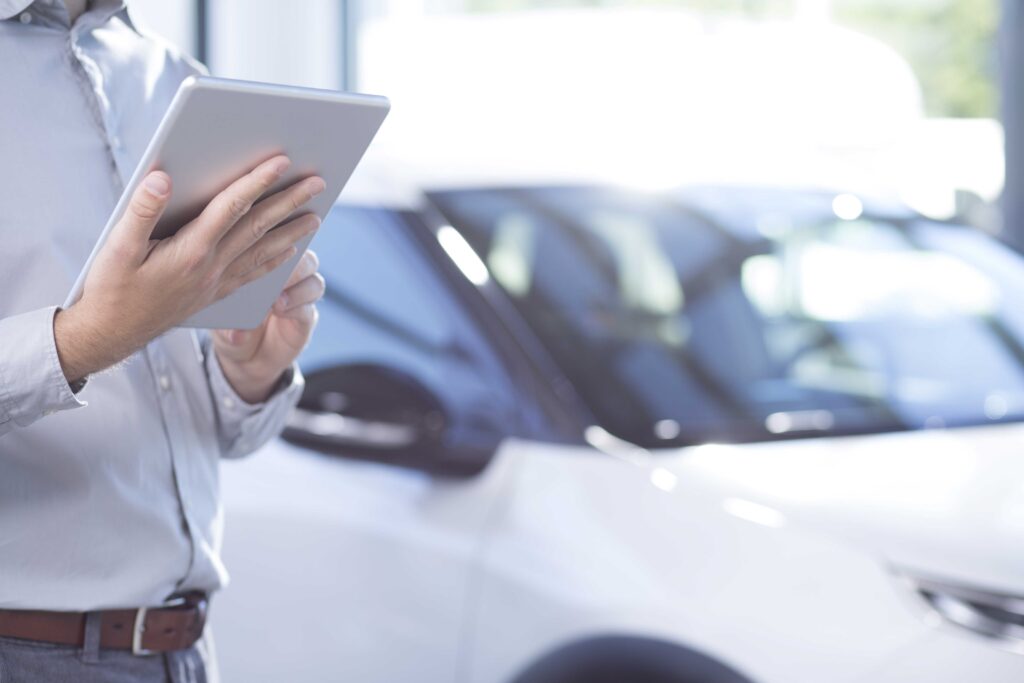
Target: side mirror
(367, 411)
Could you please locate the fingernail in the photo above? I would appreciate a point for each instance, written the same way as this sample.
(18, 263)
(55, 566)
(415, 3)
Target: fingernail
(237, 336)
(316, 186)
(282, 302)
(157, 184)
(281, 165)
(314, 223)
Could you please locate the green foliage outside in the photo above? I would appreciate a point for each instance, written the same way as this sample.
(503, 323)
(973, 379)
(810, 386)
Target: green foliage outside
(951, 44)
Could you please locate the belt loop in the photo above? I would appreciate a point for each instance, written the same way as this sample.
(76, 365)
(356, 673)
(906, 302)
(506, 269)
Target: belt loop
(91, 642)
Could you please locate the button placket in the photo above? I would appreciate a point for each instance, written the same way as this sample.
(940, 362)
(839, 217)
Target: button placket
(91, 82)
(105, 117)
(172, 418)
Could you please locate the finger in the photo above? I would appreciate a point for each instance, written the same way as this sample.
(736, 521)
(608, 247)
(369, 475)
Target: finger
(131, 234)
(228, 207)
(307, 314)
(308, 291)
(272, 244)
(266, 214)
(258, 272)
(307, 265)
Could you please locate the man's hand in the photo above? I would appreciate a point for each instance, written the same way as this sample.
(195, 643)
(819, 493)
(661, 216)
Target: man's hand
(139, 288)
(254, 360)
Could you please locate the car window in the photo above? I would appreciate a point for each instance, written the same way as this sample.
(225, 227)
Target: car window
(386, 304)
(675, 329)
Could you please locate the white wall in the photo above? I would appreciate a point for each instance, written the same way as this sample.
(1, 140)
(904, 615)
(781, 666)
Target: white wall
(171, 19)
(298, 43)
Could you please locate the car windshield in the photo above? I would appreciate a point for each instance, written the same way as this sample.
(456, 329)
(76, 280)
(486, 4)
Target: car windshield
(677, 326)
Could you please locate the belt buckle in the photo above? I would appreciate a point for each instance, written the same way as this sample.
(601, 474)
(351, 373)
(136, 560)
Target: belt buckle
(138, 628)
(193, 599)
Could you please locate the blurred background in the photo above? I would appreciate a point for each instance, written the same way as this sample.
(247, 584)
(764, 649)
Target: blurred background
(664, 341)
(897, 98)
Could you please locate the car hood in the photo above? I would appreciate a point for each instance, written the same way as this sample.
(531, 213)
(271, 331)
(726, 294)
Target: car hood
(942, 503)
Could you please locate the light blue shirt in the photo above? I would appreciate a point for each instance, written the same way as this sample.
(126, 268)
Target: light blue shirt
(108, 498)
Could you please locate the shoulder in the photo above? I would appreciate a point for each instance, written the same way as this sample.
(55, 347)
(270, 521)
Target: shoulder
(145, 72)
(154, 55)
(175, 58)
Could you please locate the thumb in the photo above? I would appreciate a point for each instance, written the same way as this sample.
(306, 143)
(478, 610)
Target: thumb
(144, 210)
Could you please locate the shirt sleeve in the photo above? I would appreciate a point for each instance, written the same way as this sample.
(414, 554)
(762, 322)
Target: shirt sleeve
(244, 427)
(32, 383)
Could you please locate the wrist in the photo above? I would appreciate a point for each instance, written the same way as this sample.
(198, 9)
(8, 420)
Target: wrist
(253, 383)
(82, 348)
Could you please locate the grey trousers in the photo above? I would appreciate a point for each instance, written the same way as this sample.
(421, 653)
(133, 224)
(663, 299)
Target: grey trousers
(24, 661)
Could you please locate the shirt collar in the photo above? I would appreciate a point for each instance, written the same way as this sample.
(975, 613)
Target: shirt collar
(9, 8)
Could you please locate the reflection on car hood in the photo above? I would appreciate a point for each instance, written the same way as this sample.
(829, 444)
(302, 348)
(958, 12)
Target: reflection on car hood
(944, 503)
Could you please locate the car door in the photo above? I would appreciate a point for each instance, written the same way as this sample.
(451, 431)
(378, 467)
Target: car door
(349, 562)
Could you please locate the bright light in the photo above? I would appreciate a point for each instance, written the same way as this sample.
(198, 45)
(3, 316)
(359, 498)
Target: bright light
(666, 429)
(459, 251)
(799, 421)
(847, 207)
(713, 450)
(663, 479)
(606, 442)
(920, 284)
(996, 406)
(754, 512)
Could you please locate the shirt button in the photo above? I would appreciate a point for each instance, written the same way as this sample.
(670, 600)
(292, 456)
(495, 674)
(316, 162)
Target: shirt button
(165, 382)
(229, 402)
(115, 142)
(25, 18)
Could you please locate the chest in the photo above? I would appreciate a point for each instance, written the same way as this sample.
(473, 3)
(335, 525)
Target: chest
(77, 115)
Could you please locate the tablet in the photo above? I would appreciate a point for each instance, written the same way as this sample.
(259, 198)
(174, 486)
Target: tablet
(217, 130)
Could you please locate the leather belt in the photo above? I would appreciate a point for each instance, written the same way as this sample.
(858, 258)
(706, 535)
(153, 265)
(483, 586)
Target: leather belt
(175, 626)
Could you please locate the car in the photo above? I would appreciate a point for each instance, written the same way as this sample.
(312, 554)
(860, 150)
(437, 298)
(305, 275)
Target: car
(579, 432)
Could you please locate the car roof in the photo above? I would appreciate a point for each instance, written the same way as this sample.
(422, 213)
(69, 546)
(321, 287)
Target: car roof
(736, 206)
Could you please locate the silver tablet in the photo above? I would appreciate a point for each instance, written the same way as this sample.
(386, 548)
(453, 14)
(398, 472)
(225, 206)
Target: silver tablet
(215, 131)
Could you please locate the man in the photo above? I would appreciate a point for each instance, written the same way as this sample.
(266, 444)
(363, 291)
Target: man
(112, 422)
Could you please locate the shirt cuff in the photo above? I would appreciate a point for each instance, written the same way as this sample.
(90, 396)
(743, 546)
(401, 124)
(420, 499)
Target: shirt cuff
(32, 382)
(245, 426)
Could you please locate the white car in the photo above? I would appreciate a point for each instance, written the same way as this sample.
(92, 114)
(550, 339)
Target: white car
(578, 433)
